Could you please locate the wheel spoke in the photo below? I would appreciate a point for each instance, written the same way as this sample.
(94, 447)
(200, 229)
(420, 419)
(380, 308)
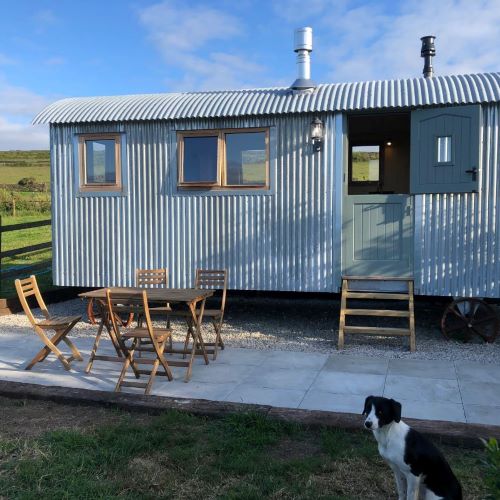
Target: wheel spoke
(455, 328)
(458, 314)
(483, 320)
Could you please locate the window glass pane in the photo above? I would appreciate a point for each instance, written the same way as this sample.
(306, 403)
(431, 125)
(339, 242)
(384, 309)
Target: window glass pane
(365, 163)
(444, 149)
(100, 162)
(200, 159)
(246, 156)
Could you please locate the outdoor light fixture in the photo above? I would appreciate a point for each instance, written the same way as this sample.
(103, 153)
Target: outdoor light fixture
(317, 134)
(388, 143)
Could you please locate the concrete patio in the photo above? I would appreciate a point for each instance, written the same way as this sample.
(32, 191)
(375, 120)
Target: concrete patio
(432, 390)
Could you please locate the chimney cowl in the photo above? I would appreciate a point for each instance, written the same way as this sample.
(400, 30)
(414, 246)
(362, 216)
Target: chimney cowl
(428, 51)
(303, 47)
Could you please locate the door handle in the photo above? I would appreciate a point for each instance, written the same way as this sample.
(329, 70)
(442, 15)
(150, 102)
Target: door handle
(473, 172)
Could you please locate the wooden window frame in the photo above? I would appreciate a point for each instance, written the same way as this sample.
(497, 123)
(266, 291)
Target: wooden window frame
(221, 183)
(82, 156)
(380, 181)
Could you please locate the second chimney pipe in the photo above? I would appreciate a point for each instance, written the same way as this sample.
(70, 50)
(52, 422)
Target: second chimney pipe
(428, 51)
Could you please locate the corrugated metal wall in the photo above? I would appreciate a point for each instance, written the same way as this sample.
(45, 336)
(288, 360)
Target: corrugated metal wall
(280, 241)
(457, 240)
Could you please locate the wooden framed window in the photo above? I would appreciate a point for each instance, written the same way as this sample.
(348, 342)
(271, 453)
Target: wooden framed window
(100, 162)
(224, 159)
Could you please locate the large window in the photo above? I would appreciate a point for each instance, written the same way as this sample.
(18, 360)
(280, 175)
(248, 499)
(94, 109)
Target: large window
(224, 159)
(100, 162)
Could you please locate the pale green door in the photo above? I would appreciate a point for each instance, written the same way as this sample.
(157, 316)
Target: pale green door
(377, 235)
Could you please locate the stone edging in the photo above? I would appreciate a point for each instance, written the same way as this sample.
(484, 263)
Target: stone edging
(455, 433)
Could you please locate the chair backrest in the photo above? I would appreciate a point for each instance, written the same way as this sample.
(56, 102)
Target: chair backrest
(151, 277)
(213, 279)
(25, 288)
(126, 303)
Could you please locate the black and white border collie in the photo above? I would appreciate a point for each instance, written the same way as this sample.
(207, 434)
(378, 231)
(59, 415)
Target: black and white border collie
(420, 469)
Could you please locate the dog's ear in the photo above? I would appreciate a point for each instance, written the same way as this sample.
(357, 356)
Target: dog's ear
(368, 405)
(396, 410)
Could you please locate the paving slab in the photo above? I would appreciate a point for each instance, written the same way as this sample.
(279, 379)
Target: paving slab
(422, 368)
(422, 389)
(433, 410)
(282, 378)
(470, 371)
(480, 393)
(356, 364)
(295, 359)
(249, 393)
(344, 403)
(482, 414)
(349, 383)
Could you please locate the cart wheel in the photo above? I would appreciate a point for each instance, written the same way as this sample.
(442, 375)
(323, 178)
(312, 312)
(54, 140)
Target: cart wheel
(93, 313)
(464, 318)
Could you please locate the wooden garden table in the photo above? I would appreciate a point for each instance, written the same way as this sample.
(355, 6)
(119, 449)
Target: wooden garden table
(172, 296)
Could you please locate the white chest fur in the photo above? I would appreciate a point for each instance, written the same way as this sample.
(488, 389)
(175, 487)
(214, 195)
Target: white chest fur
(391, 444)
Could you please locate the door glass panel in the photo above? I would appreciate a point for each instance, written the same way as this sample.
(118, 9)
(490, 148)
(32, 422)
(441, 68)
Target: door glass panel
(365, 164)
(444, 149)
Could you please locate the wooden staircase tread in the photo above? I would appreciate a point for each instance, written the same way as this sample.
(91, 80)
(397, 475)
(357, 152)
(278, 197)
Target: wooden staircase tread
(377, 295)
(378, 312)
(376, 278)
(377, 330)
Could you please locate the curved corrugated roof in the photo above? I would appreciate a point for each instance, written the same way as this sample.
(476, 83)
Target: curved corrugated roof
(380, 94)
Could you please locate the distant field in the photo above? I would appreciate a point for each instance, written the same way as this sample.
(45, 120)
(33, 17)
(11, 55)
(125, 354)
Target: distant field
(15, 165)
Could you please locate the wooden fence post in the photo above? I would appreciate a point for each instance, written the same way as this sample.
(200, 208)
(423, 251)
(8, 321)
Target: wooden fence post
(13, 207)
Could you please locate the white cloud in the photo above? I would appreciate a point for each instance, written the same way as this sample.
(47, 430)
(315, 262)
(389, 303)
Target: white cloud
(22, 136)
(182, 34)
(18, 106)
(373, 44)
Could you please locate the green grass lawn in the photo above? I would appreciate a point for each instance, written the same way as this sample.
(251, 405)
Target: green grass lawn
(50, 450)
(15, 165)
(22, 238)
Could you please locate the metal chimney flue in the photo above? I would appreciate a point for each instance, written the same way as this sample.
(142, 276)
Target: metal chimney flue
(428, 51)
(303, 47)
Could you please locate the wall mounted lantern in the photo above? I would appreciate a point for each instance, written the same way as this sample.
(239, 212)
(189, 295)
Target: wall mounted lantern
(317, 134)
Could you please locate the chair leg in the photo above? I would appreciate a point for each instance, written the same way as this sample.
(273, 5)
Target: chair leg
(50, 346)
(74, 350)
(129, 361)
(188, 335)
(218, 339)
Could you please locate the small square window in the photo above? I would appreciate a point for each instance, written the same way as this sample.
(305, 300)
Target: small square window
(444, 149)
(365, 164)
(100, 162)
(200, 160)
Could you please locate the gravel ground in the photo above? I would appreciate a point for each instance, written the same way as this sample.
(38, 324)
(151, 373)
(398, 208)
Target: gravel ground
(303, 324)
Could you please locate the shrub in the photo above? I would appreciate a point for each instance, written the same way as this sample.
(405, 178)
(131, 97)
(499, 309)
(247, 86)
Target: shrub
(27, 182)
(492, 478)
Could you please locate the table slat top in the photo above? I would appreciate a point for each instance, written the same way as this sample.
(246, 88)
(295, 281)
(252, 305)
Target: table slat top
(154, 294)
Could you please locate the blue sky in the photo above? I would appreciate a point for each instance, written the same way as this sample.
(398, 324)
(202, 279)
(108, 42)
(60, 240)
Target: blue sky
(52, 49)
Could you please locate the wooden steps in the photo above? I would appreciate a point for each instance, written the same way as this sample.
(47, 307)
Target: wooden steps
(352, 290)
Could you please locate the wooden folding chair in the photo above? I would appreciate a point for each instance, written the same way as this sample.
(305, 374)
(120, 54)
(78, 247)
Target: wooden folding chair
(130, 341)
(154, 278)
(213, 279)
(62, 325)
